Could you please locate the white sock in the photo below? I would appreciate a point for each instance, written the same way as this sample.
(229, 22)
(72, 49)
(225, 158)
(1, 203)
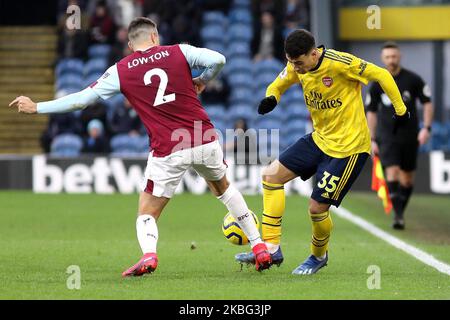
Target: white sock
(235, 203)
(147, 233)
(272, 247)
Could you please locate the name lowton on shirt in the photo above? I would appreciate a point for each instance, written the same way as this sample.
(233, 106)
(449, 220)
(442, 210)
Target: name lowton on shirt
(144, 60)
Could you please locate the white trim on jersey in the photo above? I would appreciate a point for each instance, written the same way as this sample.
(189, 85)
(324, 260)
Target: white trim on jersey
(108, 85)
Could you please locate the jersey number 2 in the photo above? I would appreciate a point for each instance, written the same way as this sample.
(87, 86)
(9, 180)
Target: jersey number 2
(160, 97)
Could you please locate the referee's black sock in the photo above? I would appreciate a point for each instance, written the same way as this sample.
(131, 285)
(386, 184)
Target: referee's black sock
(404, 195)
(396, 199)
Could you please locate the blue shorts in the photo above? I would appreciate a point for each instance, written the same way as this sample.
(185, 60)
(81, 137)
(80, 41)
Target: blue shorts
(334, 176)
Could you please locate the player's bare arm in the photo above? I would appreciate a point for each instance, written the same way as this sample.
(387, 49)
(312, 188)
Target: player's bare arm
(71, 102)
(24, 105)
(425, 132)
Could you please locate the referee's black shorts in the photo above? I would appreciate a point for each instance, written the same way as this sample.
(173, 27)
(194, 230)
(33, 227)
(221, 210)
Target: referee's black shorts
(399, 154)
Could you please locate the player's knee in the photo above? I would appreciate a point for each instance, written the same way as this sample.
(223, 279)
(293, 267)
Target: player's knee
(317, 207)
(269, 176)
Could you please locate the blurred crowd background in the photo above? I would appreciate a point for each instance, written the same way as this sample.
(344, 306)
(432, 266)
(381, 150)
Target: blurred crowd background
(250, 33)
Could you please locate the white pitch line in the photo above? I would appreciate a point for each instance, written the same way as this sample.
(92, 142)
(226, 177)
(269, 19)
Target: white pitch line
(420, 255)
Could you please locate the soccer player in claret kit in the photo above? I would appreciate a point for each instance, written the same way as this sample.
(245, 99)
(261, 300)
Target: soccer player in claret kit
(398, 149)
(158, 83)
(334, 152)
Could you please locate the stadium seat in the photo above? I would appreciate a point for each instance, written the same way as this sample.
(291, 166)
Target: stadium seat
(216, 46)
(214, 18)
(238, 65)
(239, 50)
(241, 4)
(244, 111)
(239, 32)
(66, 145)
(266, 122)
(144, 144)
(296, 110)
(69, 80)
(216, 111)
(240, 80)
(240, 15)
(97, 65)
(241, 95)
(264, 79)
(273, 66)
(99, 51)
(124, 144)
(90, 79)
(297, 127)
(212, 33)
(64, 66)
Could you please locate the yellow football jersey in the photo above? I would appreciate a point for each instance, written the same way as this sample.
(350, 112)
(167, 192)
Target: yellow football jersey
(332, 92)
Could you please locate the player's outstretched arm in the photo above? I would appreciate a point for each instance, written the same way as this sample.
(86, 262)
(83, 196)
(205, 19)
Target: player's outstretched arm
(71, 102)
(275, 90)
(105, 87)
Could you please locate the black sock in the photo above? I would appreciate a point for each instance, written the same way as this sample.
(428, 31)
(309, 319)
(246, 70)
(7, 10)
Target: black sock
(397, 203)
(404, 194)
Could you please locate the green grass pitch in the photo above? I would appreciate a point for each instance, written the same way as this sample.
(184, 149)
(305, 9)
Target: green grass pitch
(41, 235)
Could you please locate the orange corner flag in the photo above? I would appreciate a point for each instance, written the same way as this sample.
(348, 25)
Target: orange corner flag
(379, 184)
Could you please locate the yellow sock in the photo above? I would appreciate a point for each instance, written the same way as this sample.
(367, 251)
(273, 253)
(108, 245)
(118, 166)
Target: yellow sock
(321, 229)
(274, 203)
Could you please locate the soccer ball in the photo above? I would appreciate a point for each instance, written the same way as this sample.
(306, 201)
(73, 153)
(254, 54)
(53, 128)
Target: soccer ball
(233, 232)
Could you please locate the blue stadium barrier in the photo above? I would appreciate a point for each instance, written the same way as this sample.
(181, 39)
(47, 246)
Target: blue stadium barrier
(66, 145)
(99, 51)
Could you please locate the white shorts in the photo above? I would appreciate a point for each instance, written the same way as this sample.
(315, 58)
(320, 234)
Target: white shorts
(163, 174)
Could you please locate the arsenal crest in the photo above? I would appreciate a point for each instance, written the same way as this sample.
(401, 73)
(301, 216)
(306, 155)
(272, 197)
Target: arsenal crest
(327, 81)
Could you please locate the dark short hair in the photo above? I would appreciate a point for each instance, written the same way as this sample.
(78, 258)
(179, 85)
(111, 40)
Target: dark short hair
(299, 42)
(390, 45)
(138, 25)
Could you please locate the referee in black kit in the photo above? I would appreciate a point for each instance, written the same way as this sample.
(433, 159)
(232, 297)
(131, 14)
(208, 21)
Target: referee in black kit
(398, 148)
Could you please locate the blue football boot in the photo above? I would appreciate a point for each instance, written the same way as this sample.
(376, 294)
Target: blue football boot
(311, 265)
(249, 257)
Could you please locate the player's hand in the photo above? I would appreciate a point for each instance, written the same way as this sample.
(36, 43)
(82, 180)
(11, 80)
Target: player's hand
(375, 149)
(424, 136)
(400, 121)
(267, 104)
(24, 105)
(199, 85)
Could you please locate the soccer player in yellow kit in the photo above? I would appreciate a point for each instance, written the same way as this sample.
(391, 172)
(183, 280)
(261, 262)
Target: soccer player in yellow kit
(335, 152)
